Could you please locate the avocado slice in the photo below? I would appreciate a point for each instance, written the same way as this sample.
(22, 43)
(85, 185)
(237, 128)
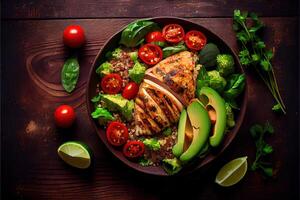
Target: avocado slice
(193, 129)
(210, 98)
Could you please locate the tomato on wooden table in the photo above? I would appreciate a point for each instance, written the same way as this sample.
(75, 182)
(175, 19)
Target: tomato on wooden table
(130, 91)
(150, 54)
(117, 133)
(111, 83)
(134, 149)
(155, 37)
(195, 40)
(173, 33)
(74, 36)
(64, 116)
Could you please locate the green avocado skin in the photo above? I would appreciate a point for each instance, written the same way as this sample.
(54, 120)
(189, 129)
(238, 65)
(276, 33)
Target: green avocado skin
(200, 122)
(218, 103)
(178, 147)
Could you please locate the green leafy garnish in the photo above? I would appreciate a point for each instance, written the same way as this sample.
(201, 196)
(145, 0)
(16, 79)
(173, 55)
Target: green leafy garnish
(254, 54)
(235, 86)
(102, 115)
(137, 72)
(134, 33)
(144, 162)
(230, 116)
(70, 74)
(96, 98)
(171, 166)
(152, 143)
(168, 51)
(263, 149)
(104, 69)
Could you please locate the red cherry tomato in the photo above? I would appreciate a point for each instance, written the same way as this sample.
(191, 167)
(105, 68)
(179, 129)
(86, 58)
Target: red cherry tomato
(173, 33)
(150, 54)
(64, 116)
(117, 133)
(74, 36)
(130, 91)
(195, 40)
(134, 149)
(155, 36)
(111, 83)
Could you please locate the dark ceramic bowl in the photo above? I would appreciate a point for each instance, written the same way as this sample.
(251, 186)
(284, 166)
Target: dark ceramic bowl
(197, 163)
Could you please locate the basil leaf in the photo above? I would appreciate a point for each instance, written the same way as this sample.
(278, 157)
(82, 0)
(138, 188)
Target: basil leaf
(70, 74)
(134, 33)
(168, 51)
(235, 86)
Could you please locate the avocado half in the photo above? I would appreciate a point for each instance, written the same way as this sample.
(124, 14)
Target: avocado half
(194, 125)
(209, 97)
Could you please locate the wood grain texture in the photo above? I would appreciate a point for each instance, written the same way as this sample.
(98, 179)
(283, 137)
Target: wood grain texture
(32, 60)
(136, 8)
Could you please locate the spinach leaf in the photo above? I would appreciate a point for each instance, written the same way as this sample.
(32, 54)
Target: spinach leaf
(70, 74)
(168, 51)
(102, 115)
(134, 33)
(235, 86)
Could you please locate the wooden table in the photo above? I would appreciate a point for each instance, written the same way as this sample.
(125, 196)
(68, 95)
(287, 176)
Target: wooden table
(32, 56)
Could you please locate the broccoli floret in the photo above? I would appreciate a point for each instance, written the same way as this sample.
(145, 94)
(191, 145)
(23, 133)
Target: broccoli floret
(171, 166)
(117, 53)
(230, 117)
(216, 81)
(152, 143)
(225, 64)
(137, 72)
(104, 69)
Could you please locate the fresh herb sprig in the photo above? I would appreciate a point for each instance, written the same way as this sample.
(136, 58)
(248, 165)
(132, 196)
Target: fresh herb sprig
(263, 149)
(253, 52)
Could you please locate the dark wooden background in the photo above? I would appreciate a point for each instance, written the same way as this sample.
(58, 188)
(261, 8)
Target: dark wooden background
(32, 56)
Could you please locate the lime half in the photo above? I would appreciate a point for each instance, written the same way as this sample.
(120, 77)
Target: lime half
(232, 172)
(75, 154)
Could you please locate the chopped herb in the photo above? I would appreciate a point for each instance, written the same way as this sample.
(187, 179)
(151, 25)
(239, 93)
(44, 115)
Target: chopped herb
(167, 131)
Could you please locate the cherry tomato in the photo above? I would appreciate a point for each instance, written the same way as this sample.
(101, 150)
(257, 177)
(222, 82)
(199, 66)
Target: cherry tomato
(111, 83)
(130, 91)
(150, 54)
(195, 40)
(134, 149)
(155, 36)
(64, 116)
(173, 33)
(74, 36)
(117, 133)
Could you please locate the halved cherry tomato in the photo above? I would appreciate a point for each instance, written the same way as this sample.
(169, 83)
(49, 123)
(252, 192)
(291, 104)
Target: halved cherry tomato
(134, 149)
(64, 116)
(150, 54)
(130, 91)
(155, 36)
(111, 83)
(117, 133)
(195, 40)
(74, 36)
(173, 33)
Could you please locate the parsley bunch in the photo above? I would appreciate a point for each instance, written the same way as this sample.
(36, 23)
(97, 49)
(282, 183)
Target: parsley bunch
(262, 148)
(253, 52)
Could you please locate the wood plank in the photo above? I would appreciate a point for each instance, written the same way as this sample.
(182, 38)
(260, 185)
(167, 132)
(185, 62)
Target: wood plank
(135, 8)
(32, 59)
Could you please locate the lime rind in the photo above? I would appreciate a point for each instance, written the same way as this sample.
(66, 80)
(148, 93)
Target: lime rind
(228, 173)
(75, 154)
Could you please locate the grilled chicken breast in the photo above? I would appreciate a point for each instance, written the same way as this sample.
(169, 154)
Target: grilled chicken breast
(170, 85)
(178, 73)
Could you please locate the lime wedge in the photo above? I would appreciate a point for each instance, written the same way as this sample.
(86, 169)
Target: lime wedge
(75, 154)
(232, 172)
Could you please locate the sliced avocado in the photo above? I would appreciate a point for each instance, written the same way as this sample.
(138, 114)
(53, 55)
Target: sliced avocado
(194, 128)
(117, 103)
(200, 123)
(178, 147)
(211, 98)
